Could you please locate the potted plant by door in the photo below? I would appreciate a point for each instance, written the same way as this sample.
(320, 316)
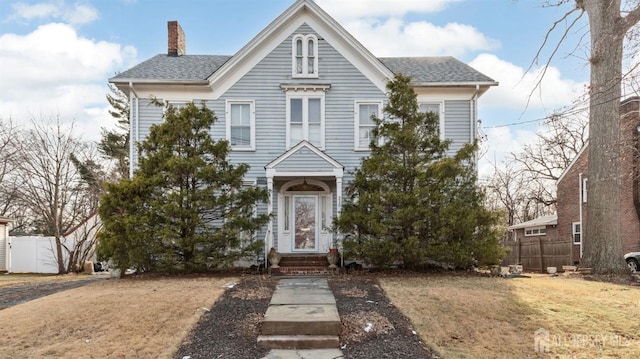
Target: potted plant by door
(332, 257)
(274, 258)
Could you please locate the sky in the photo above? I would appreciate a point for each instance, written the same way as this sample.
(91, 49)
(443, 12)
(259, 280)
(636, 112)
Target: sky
(56, 55)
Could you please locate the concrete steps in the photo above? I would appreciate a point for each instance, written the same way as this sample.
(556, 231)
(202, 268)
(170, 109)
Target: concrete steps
(302, 314)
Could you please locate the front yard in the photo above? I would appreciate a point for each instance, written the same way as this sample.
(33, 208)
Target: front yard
(457, 315)
(479, 317)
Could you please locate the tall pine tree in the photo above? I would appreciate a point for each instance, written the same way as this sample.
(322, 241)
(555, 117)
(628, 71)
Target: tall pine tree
(114, 143)
(409, 201)
(197, 213)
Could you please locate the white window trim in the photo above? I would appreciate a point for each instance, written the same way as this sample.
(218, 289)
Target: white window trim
(584, 190)
(252, 111)
(440, 115)
(535, 231)
(573, 232)
(305, 96)
(357, 146)
(305, 59)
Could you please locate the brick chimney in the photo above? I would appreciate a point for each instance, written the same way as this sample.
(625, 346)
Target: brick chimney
(177, 43)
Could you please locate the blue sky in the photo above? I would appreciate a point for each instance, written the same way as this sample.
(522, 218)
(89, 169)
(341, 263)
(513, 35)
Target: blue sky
(56, 55)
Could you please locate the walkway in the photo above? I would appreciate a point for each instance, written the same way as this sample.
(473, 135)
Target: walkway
(302, 321)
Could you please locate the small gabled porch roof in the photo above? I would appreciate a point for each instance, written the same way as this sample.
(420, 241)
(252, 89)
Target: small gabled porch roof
(304, 159)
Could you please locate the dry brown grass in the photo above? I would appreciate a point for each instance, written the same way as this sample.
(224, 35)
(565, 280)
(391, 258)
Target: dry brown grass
(16, 279)
(480, 317)
(129, 318)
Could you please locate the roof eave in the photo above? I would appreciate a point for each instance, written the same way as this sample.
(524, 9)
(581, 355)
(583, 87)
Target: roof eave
(454, 84)
(138, 81)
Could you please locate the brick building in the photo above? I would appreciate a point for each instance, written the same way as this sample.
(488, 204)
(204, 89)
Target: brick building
(573, 185)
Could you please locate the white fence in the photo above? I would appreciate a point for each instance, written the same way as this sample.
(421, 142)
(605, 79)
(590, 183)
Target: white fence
(32, 255)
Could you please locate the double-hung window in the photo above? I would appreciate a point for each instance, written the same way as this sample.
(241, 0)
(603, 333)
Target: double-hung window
(364, 124)
(240, 117)
(577, 232)
(305, 118)
(436, 108)
(305, 56)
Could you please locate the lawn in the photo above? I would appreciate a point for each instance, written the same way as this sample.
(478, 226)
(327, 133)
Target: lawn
(459, 316)
(481, 317)
(128, 318)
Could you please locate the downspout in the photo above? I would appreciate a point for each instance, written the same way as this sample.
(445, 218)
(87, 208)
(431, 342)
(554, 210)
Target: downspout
(473, 108)
(133, 101)
(580, 191)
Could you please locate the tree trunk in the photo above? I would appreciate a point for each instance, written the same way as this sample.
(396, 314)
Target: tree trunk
(603, 242)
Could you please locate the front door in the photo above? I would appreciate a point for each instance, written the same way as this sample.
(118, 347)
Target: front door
(305, 219)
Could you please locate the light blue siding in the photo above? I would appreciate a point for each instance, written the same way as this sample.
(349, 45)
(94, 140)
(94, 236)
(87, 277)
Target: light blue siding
(458, 124)
(304, 161)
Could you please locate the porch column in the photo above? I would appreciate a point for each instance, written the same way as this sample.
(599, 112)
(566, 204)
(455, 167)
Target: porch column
(338, 196)
(269, 242)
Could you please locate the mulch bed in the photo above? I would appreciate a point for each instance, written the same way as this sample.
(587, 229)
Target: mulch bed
(371, 326)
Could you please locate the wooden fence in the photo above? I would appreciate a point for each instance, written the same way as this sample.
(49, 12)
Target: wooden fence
(538, 253)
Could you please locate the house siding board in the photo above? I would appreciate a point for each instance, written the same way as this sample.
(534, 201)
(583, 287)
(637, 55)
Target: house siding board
(304, 161)
(457, 124)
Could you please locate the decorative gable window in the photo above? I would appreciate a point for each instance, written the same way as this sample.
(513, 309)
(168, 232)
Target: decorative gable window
(241, 125)
(435, 107)
(364, 125)
(305, 56)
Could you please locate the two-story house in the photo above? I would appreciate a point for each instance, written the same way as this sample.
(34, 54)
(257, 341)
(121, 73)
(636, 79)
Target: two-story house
(295, 103)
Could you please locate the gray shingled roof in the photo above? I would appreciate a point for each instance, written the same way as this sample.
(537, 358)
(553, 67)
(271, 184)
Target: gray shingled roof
(174, 68)
(434, 69)
(199, 67)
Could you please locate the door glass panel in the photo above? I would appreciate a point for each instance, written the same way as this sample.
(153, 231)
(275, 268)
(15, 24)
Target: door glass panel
(286, 213)
(305, 208)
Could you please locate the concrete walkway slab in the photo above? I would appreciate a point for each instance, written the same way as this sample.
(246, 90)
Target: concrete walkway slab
(305, 354)
(302, 317)
(297, 296)
(316, 319)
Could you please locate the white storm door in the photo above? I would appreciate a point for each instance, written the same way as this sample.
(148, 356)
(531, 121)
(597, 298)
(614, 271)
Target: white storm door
(305, 223)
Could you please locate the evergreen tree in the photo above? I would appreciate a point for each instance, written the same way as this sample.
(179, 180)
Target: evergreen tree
(115, 143)
(186, 207)
(409, 201)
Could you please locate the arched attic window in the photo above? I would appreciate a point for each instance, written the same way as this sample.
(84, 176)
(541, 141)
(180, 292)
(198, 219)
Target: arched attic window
(305, 56)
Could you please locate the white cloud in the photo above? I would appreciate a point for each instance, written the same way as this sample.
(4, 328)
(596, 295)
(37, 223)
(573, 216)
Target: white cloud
(502, 141)
(380, 26)
(516, 86)
(55, 10)
(53, 71)
(394, 37)
(349, 9)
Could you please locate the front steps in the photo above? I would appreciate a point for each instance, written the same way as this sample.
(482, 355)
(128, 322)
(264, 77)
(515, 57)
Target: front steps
(302, 314)
(303, 264)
